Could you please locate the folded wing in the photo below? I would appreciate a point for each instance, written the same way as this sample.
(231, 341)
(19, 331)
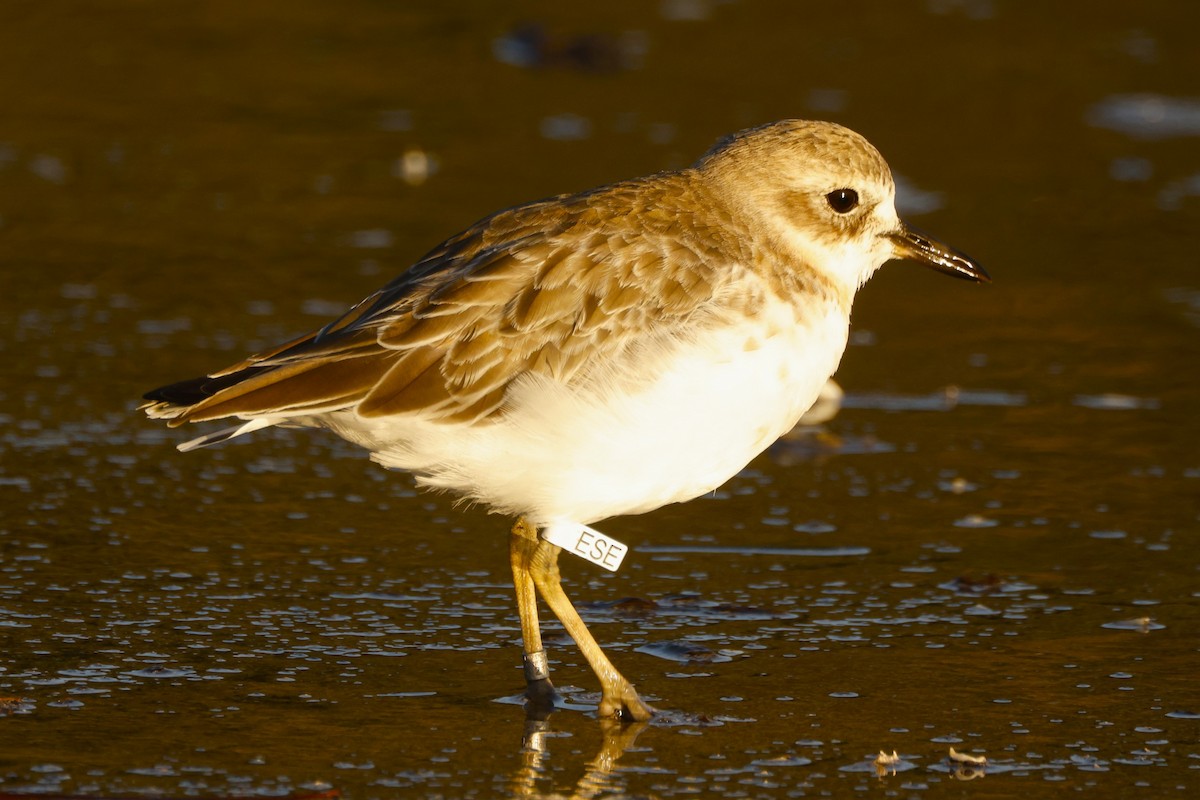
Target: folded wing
(551, 288)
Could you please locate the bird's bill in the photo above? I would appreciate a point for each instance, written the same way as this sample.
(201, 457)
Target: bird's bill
(914, 245)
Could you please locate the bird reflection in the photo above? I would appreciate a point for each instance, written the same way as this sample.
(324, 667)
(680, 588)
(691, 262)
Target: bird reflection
(597, 776)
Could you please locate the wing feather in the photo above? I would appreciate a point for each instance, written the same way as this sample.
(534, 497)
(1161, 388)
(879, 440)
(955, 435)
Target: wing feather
(536, 289)
(414, 383)
(298, 387)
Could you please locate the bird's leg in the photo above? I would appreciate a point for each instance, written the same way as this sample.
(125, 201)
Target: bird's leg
(618, 698)
(523, 543)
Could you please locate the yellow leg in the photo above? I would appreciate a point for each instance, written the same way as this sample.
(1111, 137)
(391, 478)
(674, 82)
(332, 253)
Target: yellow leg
(538, 688)
(618, 699)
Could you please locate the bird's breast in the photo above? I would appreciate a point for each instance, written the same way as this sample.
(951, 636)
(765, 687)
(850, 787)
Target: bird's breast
(677, 422)
(663, 422)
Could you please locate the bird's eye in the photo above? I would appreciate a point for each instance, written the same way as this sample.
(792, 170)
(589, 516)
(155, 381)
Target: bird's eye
(842, 201)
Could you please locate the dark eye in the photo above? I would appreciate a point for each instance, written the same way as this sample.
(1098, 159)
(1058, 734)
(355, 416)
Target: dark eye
(842, 201)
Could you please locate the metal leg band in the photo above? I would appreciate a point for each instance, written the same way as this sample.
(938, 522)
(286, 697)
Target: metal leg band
(537, 667)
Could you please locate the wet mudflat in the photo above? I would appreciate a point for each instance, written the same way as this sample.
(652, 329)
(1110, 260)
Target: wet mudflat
(992, 547)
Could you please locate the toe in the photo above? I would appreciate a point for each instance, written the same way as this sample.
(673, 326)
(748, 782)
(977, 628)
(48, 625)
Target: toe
(626, 705)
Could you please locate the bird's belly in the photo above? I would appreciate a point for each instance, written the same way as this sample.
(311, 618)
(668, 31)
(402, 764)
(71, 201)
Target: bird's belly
(699, 425)
(666, 428)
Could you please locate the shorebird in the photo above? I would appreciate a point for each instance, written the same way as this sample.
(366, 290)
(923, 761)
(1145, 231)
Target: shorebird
(596, 354)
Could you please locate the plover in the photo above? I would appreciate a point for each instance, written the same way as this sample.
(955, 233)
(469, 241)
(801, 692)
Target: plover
(596, 354)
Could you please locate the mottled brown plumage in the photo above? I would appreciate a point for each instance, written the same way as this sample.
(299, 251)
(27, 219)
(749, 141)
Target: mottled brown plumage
(536, 289)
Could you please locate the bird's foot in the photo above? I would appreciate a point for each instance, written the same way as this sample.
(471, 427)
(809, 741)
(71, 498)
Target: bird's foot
(541, 698)
(622, 702)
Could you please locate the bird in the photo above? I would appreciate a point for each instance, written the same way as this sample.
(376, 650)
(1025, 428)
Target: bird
(596, 354)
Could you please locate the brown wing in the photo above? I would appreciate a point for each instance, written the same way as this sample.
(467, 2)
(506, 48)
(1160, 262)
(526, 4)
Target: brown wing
(548, 288)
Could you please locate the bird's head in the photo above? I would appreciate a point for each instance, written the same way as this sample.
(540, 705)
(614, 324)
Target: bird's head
(824, 196)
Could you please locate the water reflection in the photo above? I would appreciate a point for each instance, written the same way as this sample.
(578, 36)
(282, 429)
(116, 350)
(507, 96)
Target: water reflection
(1147, 116)
(534, 45)
(598, 777)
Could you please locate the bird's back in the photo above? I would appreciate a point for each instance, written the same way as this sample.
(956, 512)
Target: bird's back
(531, 290)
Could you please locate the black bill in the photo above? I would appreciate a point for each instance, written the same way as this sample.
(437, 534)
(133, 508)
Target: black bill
(914, 245)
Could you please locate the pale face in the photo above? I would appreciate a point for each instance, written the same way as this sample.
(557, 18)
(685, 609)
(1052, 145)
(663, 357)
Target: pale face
(840, 222)
(826, 195)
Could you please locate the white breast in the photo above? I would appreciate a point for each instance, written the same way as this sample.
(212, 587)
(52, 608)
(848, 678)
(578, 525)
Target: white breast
(675, 426)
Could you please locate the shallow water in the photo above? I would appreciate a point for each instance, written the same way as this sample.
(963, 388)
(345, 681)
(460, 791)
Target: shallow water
(991, 548)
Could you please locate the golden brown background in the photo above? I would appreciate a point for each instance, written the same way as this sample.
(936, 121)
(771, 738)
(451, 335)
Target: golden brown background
(992, 547)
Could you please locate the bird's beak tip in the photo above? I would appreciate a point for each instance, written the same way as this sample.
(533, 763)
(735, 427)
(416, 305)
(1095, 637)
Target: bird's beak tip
(912, 244)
